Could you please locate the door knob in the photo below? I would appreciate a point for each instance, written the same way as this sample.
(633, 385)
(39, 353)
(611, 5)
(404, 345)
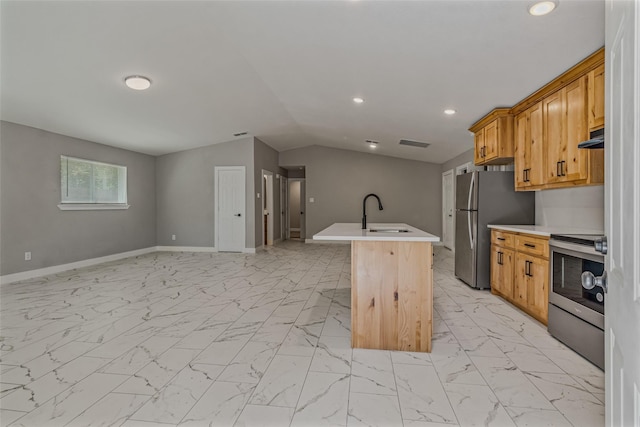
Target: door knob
(589, 281)
(238, 215)
(600, 245)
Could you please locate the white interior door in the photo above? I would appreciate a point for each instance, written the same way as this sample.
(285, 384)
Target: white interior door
(622, 213)
(230, 208)
(447, 210)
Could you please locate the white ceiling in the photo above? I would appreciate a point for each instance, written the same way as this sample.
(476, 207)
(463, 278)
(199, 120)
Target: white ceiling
(285, 71)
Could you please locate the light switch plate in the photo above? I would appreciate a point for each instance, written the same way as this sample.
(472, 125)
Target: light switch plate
(311, 200)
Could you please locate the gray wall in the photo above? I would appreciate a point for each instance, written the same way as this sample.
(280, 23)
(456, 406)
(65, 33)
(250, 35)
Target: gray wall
(30, 193)
(185, 192)
(581, 207)
(265, 158)
(461, 159)
(411, 191)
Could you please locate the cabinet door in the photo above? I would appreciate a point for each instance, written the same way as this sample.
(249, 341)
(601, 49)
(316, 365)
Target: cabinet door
(596, 98)
(575, 131)
(535, 175)
(538, 288)
(478, 156)
(491, 141)
(522, 152)
(502, 271)
(531, 290)
(520, 285)
(553, 135)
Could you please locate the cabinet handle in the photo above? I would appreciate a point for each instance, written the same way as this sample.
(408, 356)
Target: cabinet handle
(563, 168)
(558, 168)
(499, 258)
(527, 268)
(529, 245)
(501, 238)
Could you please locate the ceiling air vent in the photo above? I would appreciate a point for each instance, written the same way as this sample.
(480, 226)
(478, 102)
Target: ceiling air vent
(414, 143)
(240, 134)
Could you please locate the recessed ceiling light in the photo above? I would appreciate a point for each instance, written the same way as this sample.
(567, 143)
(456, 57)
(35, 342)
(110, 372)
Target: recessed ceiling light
(542, 8)
(372, 143)
(449, 111)
(358, 100)
(137, 82)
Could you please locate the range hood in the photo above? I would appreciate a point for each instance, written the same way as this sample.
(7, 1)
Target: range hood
(596, 140)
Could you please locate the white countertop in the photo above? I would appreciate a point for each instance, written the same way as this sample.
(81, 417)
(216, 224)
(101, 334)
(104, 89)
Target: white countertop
(353, 231)
(543, 230)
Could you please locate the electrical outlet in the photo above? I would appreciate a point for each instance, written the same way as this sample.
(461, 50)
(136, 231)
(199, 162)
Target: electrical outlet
(173, 237)
(27, 256)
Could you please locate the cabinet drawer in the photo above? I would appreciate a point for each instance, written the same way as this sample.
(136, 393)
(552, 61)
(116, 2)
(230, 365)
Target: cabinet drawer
(502, 238)
(532, 245)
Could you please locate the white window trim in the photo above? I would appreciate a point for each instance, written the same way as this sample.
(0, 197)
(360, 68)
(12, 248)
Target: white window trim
(122, 191)
(92, 206)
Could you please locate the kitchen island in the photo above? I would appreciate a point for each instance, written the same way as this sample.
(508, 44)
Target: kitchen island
(391, 285)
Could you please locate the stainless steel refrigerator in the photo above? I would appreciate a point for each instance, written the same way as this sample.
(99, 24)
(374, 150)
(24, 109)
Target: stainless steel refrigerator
(482, 198)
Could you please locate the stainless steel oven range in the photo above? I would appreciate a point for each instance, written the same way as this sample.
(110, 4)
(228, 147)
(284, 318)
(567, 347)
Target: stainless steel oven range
(576, 314)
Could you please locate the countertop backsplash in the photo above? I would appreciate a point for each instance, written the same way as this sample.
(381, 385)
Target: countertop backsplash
(581, 207)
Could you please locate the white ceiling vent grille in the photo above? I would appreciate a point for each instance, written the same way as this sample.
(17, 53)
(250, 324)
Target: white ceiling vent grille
(414, 143)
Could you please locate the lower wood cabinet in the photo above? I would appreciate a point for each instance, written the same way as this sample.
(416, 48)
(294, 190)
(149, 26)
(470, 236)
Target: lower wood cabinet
(502, 260)
(532, 285)
(520, 271)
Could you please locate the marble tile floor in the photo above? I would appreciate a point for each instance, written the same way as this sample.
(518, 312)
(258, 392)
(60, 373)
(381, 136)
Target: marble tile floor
(219, 339)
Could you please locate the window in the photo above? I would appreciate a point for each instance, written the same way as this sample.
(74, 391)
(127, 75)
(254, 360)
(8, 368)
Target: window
(86, 184)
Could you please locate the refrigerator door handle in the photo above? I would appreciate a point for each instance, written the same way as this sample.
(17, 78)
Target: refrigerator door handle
(470, 233)
(473, 178)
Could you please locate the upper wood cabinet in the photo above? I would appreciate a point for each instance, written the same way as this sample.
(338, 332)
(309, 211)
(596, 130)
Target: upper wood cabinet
(565, 126)
(494, 138)
(596, 98)
(549, 125)
(529, 150)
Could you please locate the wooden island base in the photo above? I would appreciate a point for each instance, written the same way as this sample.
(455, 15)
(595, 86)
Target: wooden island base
(391, 295)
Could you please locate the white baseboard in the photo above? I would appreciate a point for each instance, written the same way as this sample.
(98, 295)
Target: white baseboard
(39, 272)
(249, 250)
(186, 249)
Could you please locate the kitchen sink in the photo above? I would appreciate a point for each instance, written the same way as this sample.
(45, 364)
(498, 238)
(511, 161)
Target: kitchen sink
(388, 230)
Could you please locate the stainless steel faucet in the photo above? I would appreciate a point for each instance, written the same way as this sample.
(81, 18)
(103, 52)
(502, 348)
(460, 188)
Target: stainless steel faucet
(364, 208)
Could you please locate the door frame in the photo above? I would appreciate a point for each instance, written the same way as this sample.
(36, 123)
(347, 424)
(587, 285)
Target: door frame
(267, 194)
(216, 175)
(444, 212)
(284, 207)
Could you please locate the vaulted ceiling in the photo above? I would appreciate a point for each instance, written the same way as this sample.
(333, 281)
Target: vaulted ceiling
(284, 71)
